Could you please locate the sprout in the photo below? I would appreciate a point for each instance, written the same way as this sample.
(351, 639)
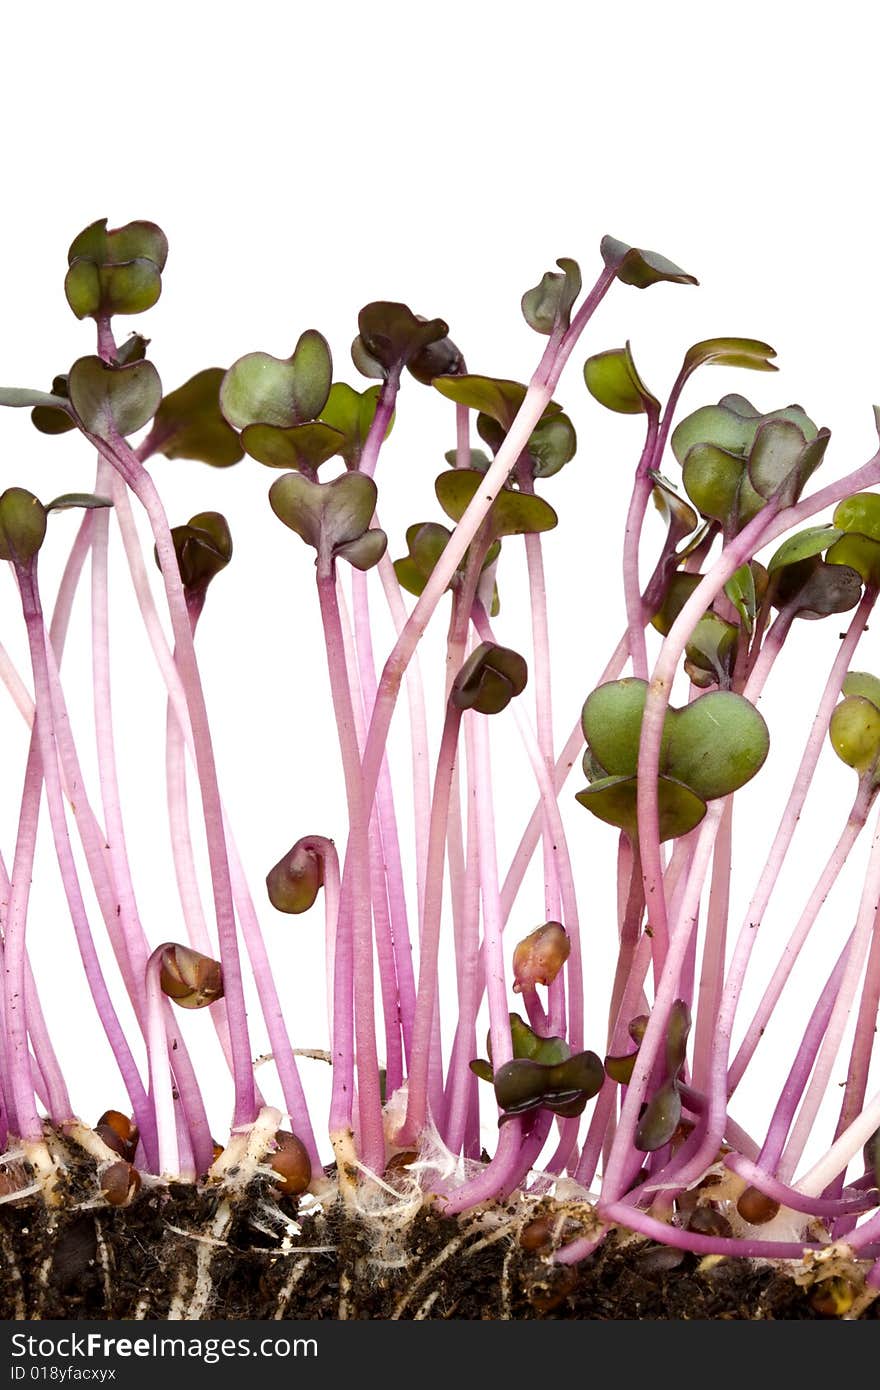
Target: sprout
(707, 623)
(192, 980)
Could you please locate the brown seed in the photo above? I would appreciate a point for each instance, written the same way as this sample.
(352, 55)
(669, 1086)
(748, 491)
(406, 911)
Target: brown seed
(119, 1183)
(706, 1221)
(119, 1133)
(756, 1208)
(537, 1235)
(291, 1163)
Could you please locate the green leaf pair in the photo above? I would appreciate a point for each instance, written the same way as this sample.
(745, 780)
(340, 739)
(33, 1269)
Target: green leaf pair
(391, 337)
(115, 272)
(709, 749)
(203, 548)
(334, 518)
(491, 677)
(426, 542)
(734, 459)
(511, 514)
(275, 403)
(23, 520)
(542, 1074)
(857, 518)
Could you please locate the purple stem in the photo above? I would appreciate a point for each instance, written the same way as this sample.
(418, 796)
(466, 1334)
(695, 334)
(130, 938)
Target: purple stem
(384, 820)
(386, 957)
(427, 1001)
(354, 951)
(126, 463)
(772, 521)
(461, 1083)
(855, 960)
(756, 1175)
(803, 1064)
(44, 737)
(792, 949)
(641, 495)
(712, 972)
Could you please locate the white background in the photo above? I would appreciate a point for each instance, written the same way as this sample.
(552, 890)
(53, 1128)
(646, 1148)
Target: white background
(306, 160)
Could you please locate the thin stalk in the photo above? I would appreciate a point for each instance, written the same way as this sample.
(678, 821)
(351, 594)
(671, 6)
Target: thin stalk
(386, 947)
(427, 1002)
(385, 819)
(772, 521)
(641, 495)
(354, 951)
(825, 882)
(714, 948)
(138, 479)
(503, 1168)
(44, 736)
(843, 1002)
(461, 1083)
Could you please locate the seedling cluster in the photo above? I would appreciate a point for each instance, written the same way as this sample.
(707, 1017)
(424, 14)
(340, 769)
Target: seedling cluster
(636, 1109)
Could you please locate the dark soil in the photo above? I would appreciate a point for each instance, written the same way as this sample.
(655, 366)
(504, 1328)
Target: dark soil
(165, 1255)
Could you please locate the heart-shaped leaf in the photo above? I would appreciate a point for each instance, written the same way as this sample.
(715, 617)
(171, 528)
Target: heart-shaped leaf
(115, 272)
(814, 589)
(352, 413)
(304, 447)
(715, 425)
(511, 514)
(265, 390)
(189, 424)
(22, 525)
(390, 336)
(522, 1084)
(613, 380)
(328, 516)
(490, 678)
(111, 400)
(614, 800)
(854, 731)
(135, 241)
(612, 723)
(715, 744)
(641, 268)
(548, 306)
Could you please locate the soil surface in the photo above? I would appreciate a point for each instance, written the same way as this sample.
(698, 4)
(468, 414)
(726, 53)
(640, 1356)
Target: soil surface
(186, 1252)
